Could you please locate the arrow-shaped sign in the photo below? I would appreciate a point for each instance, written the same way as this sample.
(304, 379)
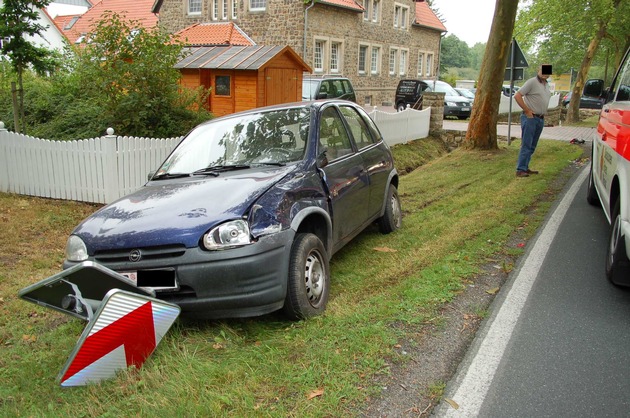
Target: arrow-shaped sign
(123, 333)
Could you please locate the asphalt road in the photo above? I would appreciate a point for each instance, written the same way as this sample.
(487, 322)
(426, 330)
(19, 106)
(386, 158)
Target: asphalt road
(557, 343)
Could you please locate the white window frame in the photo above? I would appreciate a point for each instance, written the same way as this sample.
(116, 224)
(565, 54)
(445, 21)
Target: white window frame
(420, 64)
(215, 9)
(335, 56)
(196, 3)
(234, 9)
(366, 47)
(375, 61)
(224, 9)
(257, 5)
(401, 16)
(393, 60)
(319, 47)
(376, 4)
(403, 60)
(366, 10)
(429, 69)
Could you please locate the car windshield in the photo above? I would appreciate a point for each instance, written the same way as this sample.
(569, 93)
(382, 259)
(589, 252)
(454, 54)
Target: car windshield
(274, 137)
(444, 88)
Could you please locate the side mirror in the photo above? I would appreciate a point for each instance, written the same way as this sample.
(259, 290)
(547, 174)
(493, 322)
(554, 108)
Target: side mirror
(322, 96)
(322, 159)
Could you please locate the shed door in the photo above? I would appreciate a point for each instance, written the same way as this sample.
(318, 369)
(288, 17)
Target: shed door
(281, 86)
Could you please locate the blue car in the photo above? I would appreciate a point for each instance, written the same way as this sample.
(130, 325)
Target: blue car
(243, 216)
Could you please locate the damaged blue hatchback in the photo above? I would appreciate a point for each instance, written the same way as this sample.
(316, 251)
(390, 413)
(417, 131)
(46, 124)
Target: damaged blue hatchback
(243, 216)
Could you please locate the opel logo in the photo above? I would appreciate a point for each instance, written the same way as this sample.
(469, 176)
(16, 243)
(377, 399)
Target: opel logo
(135, 256)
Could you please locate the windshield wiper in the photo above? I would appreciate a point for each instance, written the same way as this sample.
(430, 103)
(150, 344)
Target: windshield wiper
(216, 169)
(170, 176)
(275, 163)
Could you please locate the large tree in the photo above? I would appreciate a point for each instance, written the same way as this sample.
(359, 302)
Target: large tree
(482, 129)
(454, 52)
(18, 22)
(571, 34)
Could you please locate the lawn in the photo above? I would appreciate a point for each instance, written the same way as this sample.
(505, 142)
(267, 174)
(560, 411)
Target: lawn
(460, 211)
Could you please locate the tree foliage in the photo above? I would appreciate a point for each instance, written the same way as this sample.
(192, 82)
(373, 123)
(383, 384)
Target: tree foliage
(121, 76)
(455, 52)
(19, 21)
(576, 34)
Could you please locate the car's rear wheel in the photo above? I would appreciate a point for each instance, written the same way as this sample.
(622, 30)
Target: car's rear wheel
(309, 278)
(591, 192)
(401, 107)
(392, 218)
(617, 263)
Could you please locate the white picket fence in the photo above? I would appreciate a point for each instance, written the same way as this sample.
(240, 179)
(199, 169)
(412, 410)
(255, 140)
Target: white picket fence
(101, 170)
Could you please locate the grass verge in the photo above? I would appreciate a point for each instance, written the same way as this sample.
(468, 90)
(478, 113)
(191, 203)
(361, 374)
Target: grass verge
(459, 211)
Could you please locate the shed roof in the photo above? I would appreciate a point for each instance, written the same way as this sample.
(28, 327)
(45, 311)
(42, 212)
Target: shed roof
(208, 34)
(235, 57)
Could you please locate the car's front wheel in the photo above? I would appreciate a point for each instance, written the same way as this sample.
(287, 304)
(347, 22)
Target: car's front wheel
(309, 278)
(401, 107)
(617, 263)
(392, 218)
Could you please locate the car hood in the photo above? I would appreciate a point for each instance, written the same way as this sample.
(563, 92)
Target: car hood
(179, 211)
(457, 99)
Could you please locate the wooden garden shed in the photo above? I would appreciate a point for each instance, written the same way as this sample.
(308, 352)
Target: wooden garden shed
(244, 77)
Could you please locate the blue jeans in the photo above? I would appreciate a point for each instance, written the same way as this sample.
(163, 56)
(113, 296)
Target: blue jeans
(531, 128)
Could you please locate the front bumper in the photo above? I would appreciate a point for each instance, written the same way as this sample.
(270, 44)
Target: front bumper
(238, 282)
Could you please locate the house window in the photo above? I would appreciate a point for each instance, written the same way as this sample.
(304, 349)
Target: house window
(234, 9)
(429, 65)
(375, 60)
(215, 9)
(222, 85)
(194, 7)
(393, 54)
(420, 64)
(257, 5)
(403, 62)
(362, 58)
(401, 15)
(335, 49)
(366, 11)
(375, 6)
(318, 56)
(224, 15)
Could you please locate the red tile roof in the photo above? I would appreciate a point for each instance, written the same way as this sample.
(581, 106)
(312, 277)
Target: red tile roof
(426, 17)
(207, 34)
(137, 10)
(347, 4)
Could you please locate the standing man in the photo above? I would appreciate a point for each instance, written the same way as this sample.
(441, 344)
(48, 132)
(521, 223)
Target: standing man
(533, 98)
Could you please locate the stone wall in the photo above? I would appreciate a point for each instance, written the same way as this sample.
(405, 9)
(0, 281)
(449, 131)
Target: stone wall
(283, 23)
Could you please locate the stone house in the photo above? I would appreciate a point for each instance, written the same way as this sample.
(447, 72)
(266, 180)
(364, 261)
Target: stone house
(374, 43)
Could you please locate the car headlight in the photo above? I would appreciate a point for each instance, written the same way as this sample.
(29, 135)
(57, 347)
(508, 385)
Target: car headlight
(76, 249)
(228, 235)
(451, 104)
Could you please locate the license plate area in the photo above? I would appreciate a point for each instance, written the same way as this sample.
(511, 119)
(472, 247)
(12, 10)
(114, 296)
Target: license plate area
(158, 279)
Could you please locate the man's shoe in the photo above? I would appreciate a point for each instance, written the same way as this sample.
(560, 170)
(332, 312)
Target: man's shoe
(522, 174)
(531, 171)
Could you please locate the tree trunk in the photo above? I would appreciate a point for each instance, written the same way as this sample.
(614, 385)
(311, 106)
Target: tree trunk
(573, 112)
(482, 129)
(21, 98)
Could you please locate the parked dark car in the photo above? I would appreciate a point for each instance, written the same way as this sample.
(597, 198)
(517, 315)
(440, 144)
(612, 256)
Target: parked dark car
(244, 215)
(327, 87)
(586, 102)
(454, 104)
(409, 93)
(466, 93)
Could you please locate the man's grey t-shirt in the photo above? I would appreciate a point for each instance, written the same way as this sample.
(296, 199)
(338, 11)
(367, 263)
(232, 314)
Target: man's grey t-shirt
(536, 95)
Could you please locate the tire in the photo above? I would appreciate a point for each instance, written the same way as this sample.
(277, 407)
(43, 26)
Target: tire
(591, 193)
(617, 263)
(400, 107)
(392, 218)
(309, 278)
